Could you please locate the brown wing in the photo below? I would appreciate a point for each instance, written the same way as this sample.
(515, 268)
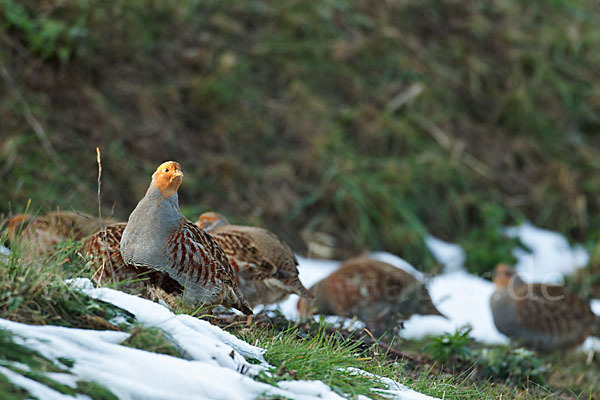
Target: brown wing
(197, 255)
(104, 248)
(244, 254)
(551, 309)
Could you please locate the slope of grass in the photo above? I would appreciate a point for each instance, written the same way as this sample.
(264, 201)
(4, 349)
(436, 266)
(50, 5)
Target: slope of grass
(369, 122)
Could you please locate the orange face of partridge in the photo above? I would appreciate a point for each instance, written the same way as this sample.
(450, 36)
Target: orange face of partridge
(168, 178)
(503, 275)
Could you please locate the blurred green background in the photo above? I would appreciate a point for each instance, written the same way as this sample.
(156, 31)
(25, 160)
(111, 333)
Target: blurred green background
(360, 125)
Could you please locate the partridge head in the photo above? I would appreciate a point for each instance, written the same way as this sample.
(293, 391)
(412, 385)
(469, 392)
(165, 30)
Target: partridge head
(167, 178)
(159, 237)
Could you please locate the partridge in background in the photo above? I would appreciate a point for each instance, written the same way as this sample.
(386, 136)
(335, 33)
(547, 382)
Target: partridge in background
(104, 249)
(159, 237)
(266, 269)
(543, 316)
(40, 235)
(376, 292)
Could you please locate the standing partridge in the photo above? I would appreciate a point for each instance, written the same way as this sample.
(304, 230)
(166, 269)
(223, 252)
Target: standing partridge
(40, 235)
(159, 237)
(376, 292)
(543, 316)
(104, 249)
(265, 267)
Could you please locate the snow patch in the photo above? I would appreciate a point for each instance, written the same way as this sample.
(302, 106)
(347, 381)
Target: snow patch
(197, 338)
(136, 374)
(464, 299)
(4, 251)
(451, 255)
(394, 391)
(551, 255)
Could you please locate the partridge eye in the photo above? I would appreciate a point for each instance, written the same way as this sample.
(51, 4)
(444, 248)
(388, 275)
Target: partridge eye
(166, 169)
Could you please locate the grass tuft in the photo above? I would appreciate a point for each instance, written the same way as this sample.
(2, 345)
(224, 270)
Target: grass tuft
(153, 340)
(33, 289)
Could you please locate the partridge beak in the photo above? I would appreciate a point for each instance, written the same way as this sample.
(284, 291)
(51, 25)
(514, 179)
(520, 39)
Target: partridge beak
(178, 173)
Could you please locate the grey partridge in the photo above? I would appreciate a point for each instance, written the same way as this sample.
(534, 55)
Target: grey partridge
(265, 267)
(40, 235)
(376, 292)
(545, 317)
(159, 237)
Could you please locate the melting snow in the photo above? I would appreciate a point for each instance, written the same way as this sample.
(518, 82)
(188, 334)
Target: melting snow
(452, 256)
(216, 368)
(464, 299)
(551, 255)
(394, 391)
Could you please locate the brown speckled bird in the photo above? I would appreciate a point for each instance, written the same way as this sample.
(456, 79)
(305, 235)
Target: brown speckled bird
(159, 237)
(543, 316)
(40, 235)
(104, 249)
(266, 268)
(376, 292)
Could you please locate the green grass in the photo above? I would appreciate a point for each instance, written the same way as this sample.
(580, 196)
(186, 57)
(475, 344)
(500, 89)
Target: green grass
(153, 340)
(488, 372)
(316, 357)
(313, 352)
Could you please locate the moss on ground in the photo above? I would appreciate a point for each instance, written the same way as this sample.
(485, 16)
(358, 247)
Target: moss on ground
(153, 340)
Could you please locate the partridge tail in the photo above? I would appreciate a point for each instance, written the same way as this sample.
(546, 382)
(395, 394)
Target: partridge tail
(235, 299)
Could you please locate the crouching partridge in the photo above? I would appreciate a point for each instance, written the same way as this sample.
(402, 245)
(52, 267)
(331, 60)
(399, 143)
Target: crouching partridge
(376, 292)
(265, 267)
(40, 235)
(103, 247)
(543, 316)
(159, 237)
